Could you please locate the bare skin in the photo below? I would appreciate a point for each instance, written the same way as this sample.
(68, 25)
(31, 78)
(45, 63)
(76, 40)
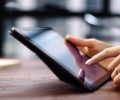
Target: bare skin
(88, 46)
(99, 51)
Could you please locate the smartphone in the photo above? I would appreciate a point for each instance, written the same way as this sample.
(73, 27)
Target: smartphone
(62, 57)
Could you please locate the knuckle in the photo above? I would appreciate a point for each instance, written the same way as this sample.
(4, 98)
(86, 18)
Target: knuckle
(110, 69)
(116, 82)
(118, 56)
(93, 39)
(118, 47)
(106, 51)
(118, 68)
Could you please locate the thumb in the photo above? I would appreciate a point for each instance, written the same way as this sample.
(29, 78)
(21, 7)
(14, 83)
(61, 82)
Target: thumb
(78, 41)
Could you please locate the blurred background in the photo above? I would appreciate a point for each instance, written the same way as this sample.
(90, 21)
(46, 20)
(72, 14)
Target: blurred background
(83, 18)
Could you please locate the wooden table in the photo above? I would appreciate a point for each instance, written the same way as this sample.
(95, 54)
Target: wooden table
(32, 80)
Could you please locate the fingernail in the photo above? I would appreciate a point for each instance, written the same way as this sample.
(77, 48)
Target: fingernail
(66, 37)
(88, 62)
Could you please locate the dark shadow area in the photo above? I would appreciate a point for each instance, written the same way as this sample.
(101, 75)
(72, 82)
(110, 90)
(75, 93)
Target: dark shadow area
(2, 28)
(54, 88)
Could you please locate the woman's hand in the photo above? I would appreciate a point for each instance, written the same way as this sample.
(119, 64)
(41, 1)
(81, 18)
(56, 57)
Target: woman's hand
(99, 51)
(114, 66)
(88, 46)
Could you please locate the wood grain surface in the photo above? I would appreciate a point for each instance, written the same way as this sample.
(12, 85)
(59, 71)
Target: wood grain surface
(32, 80)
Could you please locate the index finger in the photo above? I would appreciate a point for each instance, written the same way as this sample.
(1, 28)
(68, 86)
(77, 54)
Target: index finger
(106, 53)
(78, 41)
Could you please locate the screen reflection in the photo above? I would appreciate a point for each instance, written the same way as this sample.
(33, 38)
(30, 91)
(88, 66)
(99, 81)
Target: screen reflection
(88, 74)
(66, 54)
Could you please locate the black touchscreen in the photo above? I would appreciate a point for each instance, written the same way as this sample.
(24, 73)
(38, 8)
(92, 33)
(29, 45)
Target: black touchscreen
(67, 55)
